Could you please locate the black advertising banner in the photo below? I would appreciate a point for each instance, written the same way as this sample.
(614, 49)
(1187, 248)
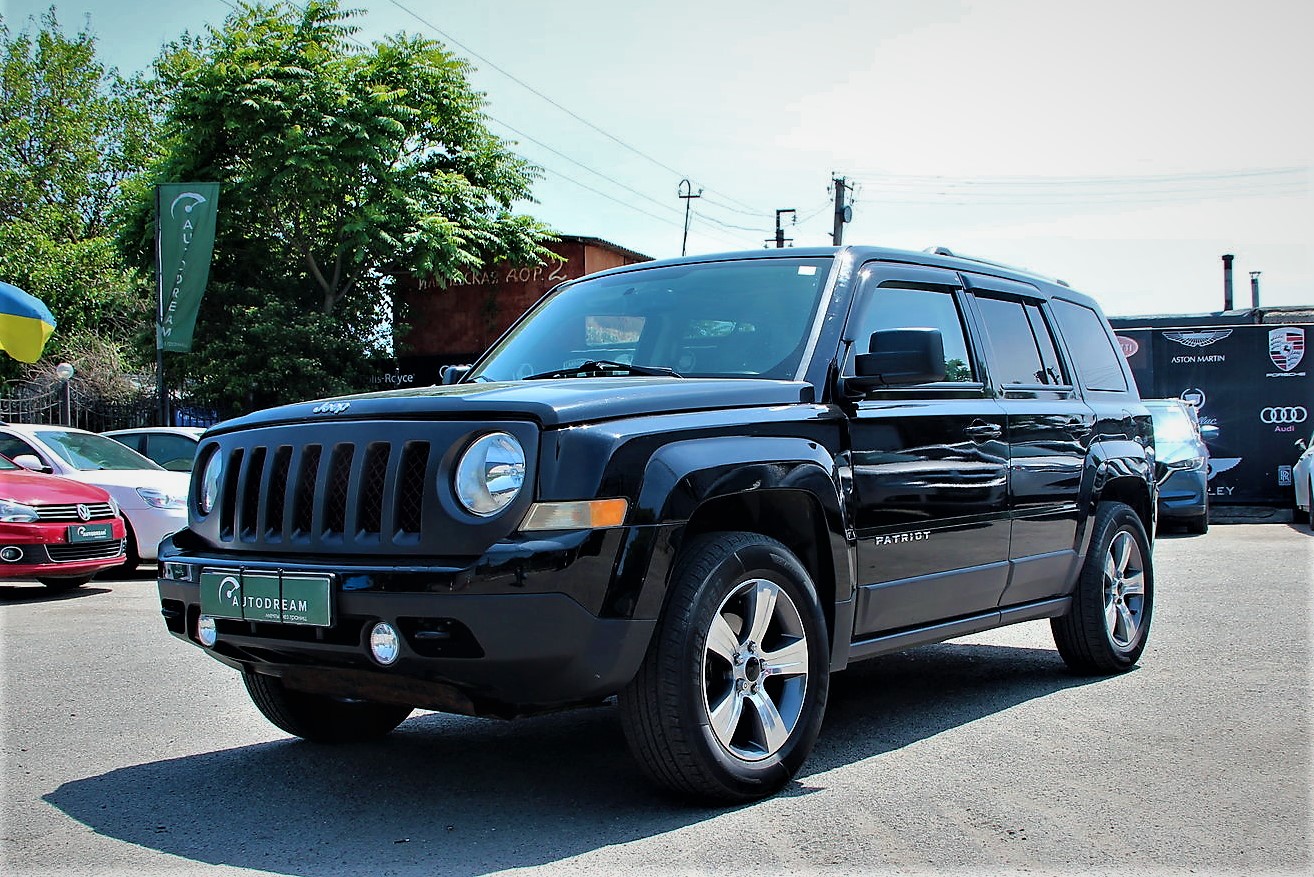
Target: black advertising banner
(1251, 381)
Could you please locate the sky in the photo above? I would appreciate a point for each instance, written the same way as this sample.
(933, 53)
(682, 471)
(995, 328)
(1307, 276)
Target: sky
(1122, 146)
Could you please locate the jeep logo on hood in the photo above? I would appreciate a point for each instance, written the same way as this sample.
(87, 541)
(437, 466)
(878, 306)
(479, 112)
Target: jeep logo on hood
(330, 408)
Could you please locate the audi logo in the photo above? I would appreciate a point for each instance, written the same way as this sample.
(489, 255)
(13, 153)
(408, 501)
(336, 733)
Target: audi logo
(1289, 414)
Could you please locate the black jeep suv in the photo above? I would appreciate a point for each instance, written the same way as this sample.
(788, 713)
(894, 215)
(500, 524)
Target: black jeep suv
(698, 485)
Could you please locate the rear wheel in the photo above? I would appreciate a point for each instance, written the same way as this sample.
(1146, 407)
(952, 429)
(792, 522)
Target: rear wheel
(319, 718)
(730, 697)
(1105, 630)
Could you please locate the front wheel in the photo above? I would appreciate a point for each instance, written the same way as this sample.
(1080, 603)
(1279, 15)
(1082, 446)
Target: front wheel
(729, 699)
(1105, 630)
(319, 718)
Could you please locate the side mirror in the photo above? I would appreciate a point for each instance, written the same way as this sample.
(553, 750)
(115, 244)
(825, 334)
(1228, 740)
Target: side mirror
(899, 357)
(1209, 432)
(452, 374)
(31, 461)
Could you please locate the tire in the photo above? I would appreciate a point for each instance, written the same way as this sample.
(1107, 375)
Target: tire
(1106, 629)
(1199, 525)
(321, 719)
(132, 557)
(729, 699)
(65, 584)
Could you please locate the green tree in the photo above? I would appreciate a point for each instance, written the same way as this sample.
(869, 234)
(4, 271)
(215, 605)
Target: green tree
(340, 166)
(71, 133)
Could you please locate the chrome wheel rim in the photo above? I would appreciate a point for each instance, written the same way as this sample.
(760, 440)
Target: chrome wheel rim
(1124, 590)
(755, 670)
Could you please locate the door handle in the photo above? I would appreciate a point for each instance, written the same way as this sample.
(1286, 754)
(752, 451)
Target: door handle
(980, 430)
(1077, 427)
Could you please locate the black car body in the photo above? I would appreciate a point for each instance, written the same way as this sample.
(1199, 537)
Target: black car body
(741, 471)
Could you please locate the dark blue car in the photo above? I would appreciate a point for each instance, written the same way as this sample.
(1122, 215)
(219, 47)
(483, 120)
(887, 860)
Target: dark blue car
(1182, 464)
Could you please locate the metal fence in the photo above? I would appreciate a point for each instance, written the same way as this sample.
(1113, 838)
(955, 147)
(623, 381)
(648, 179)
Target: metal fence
(68, 404)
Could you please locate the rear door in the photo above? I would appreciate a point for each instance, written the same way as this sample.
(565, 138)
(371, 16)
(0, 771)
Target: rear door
(929, 464)
(1049, 431)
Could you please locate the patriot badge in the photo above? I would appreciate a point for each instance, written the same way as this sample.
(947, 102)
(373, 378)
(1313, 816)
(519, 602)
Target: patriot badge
(1286, 347)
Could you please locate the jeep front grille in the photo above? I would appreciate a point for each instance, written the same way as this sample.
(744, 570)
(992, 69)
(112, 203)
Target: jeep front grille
(323, 488)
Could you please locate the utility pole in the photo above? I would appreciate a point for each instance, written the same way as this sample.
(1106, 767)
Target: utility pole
(780, 238)
(685, 191)
(843, 212)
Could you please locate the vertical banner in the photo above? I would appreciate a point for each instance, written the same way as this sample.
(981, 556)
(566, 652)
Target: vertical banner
(185, 227)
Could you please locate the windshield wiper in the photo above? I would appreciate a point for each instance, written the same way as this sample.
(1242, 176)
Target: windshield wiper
(603, 367)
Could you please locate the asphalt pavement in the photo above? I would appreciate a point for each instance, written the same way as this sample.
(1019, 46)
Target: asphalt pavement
(126, 751)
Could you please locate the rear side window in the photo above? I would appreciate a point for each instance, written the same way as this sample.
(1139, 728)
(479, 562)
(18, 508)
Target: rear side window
(1023, 351)
(1097, 360)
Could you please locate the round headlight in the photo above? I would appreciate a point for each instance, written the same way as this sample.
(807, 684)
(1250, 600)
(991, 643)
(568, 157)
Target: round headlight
(490, 474)
(209, 494)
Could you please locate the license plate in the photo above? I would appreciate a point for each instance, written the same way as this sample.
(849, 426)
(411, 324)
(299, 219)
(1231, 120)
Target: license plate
(90, 532)
(278, 597)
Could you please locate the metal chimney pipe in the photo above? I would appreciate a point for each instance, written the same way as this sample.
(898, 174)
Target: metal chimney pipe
(1227, 281)
(1254, 289)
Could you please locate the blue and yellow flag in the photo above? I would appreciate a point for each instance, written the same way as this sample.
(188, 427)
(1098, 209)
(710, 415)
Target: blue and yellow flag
(25, 323)
(184, 241)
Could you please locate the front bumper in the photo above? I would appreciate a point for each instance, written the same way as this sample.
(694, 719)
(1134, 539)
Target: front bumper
(478, 638)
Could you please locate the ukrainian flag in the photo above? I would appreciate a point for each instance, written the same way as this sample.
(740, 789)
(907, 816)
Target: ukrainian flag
(25, 323)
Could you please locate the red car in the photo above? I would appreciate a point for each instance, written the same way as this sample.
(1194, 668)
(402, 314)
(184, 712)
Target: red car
(57, 531)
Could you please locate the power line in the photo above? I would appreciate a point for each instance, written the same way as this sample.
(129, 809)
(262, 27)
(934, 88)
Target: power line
(550, 100)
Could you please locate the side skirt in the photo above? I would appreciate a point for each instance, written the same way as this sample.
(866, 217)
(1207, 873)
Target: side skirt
(919, 636)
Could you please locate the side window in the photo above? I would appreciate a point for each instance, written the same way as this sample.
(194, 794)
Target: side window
(1048, 351)
(1015, 358)
(900, 307)
(12, 446)
(1097, 361)
(136, 442)
(1023, 351)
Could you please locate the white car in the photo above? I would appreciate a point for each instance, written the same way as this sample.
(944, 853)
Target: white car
(173, 447)
(153, 500)
(1303, 477)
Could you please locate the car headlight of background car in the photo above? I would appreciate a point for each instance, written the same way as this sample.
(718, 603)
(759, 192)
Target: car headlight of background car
(490, 474)
(159, 499)
(16, 513)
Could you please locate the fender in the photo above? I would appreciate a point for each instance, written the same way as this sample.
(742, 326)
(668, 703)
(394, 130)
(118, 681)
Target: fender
(682, 476)
(1112, 466)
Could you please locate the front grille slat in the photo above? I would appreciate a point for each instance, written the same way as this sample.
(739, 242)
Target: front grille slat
(69, 512)
(85, 551)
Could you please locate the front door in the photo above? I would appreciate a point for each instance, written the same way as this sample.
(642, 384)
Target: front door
(929, 464)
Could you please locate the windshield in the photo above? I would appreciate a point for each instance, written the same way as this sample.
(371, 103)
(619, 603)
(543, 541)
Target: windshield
(87, 451)
(748, 318)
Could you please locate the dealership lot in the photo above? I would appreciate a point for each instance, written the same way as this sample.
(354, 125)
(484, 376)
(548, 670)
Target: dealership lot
(126, 751)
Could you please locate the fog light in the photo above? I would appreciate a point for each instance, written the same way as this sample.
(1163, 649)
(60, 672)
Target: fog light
(10, 554)
(385, 644)
(206, 631)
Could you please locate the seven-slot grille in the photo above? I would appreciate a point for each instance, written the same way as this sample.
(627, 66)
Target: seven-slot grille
(69, 512)
(352, 494)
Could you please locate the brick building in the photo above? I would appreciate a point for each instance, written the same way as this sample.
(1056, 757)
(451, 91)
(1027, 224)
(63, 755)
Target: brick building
(454, 324)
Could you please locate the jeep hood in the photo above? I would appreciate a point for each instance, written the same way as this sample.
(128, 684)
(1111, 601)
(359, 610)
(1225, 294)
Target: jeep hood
(552, 403)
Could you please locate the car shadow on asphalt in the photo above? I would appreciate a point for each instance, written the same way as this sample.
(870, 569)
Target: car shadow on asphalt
(32, 592)
(462, 796)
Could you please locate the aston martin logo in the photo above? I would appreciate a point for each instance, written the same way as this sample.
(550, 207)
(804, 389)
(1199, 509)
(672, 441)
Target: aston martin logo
(1198, 339)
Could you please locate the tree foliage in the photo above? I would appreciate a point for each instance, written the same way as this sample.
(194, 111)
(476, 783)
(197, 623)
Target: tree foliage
(340, 166)
(71, 134)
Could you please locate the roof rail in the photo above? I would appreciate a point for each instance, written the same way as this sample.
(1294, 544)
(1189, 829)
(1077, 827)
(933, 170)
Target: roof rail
(945, 251)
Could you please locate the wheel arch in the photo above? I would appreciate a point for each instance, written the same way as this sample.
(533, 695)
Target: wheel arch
(784, 488)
